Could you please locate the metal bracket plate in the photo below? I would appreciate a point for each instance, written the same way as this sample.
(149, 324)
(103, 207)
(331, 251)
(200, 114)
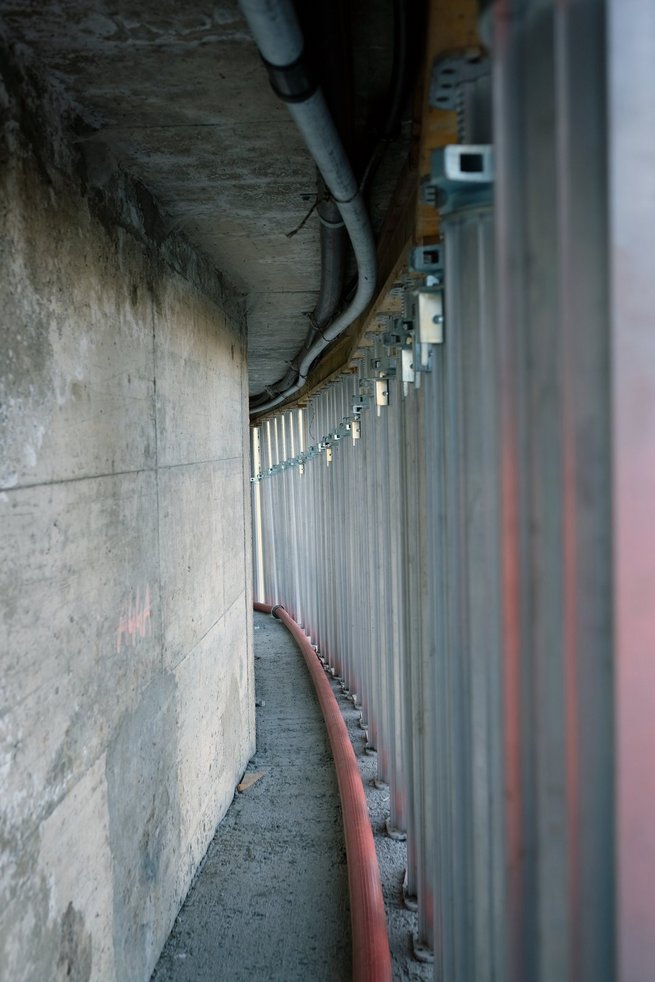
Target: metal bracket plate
(430, 316)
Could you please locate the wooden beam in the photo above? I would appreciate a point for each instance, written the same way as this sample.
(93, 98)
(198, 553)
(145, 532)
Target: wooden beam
(452, 26)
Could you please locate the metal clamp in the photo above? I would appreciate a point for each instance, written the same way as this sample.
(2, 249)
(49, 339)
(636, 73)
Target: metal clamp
(427, 259)
(462, 176)
(383, 368)
(382, 393)
(452, 71)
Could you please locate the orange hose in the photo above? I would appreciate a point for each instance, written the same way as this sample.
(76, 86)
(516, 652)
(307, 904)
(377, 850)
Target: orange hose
(371, 955)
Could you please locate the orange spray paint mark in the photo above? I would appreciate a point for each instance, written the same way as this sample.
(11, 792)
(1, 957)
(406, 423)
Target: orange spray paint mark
(135, 622)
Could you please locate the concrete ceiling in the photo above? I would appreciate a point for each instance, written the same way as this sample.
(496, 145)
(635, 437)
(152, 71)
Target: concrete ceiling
(178, 95)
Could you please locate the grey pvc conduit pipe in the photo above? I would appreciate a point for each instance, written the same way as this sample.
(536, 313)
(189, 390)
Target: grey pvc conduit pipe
(278, 36)
(332, 262)
(332, 274)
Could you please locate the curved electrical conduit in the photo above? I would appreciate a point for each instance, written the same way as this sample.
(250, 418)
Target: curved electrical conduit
(276, 31)
(332, 248)
(371, 955)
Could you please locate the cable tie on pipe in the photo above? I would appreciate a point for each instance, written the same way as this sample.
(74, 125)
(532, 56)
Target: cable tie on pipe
(328, 224)
(294, 82)
(316, 328)
(348, 201)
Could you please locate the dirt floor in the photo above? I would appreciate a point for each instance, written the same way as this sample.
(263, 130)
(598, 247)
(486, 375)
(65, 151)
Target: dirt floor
(270, 900)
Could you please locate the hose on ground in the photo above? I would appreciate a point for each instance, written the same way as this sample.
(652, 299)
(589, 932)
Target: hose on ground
(371, 954)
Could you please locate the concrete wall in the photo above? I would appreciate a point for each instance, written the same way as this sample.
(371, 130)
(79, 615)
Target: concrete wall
(126, 673)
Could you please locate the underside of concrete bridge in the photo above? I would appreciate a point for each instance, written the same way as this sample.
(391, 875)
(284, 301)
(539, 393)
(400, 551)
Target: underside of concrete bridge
(180, 102)
(341, 309)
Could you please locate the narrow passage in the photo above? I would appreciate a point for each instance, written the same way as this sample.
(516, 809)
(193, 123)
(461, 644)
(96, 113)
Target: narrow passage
(271, 899)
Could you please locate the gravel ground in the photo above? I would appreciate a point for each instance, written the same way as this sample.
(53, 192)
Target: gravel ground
(270, 900)
(392, 855)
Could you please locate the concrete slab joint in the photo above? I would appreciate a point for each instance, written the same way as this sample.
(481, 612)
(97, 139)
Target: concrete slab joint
(126, 692)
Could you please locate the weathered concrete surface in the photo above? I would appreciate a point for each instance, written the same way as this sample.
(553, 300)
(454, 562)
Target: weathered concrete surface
(126, 678)
(271, 899)
(180, 97)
